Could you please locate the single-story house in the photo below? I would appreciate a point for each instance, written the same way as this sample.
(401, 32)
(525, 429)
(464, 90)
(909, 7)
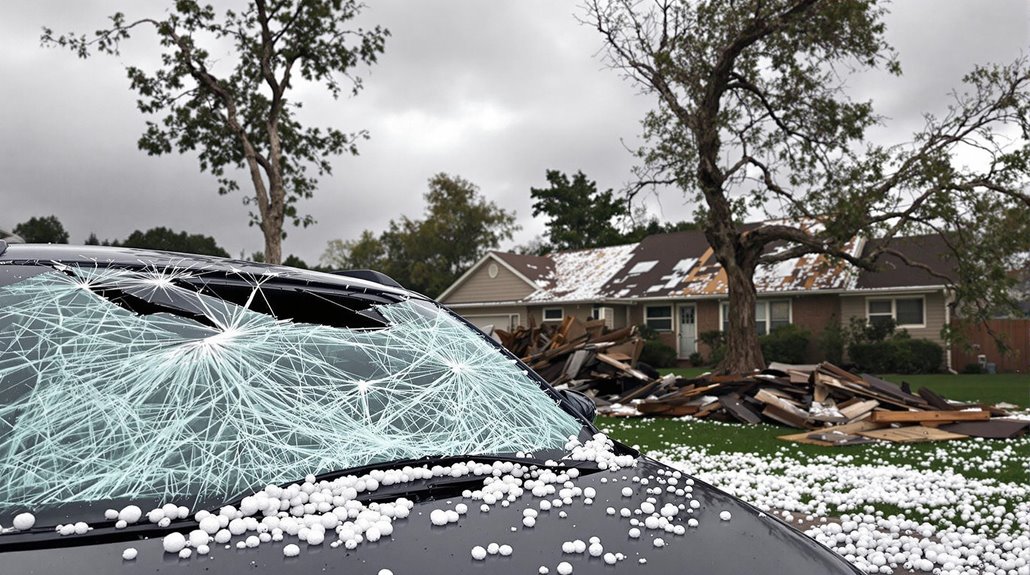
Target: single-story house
(672, 284)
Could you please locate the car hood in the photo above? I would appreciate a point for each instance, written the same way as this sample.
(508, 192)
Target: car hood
(749, 542)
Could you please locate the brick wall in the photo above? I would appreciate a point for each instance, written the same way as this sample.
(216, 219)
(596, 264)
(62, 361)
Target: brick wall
(814, 313)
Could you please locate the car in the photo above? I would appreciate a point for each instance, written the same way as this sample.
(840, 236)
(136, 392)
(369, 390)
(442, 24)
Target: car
(178, 413)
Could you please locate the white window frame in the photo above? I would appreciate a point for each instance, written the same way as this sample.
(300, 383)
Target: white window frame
(544, 317)
(894, 309)
(724, 305)
(670, 317)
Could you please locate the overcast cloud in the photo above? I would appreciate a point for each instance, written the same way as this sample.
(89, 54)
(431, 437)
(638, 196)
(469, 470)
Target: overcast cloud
(497, 92)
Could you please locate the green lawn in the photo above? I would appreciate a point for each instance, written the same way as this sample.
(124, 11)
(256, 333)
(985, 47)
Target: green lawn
(1007, 387)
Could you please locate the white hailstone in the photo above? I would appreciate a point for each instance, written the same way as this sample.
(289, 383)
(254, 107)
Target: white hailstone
(568, 547)
(174, 542)
(610, 511)
(625, 512)
(66, 530)
(659, 542)
(111, 514)
(505, 550)
(291, 550)
(315, 537)
(725, 515)
(461, 508)
(579, 545)
(627, 491)
(24, 521)
(130, 553)
(478, 553)
(164, 522)
(252, 541)
(589, 492)
(595, 549)
(385, 572)
(210, 525)
(130, 514)
(647, 507)
(634, 533)
(564, 568)
(543, 570)
(484, 508)
(239, 545)
(203, 550)
(438, 517)
(237, 527)
(610, 559)
(155, 515)
(563, 514)
(120, 524)
(528, 521)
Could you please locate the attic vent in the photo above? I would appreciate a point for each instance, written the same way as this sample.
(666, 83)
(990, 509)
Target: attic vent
(492, 271)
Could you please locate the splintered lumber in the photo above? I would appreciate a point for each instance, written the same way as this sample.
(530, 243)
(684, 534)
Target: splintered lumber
(911, 434)
(858, 409)
(738, 410)
(991, 429)
(921, 416)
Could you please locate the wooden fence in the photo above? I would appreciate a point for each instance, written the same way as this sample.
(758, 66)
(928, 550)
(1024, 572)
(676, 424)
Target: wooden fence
(1014, 332)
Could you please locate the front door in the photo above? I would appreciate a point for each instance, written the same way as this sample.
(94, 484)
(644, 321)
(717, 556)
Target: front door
(688, 330)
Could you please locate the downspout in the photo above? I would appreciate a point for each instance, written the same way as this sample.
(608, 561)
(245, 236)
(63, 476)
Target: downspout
(947, 322)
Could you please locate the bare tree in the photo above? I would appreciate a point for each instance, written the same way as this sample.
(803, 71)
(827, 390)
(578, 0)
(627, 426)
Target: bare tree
(753, 113)
(235, 111)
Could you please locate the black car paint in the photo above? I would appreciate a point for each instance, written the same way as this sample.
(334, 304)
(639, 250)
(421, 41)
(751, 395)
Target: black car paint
(751, 542)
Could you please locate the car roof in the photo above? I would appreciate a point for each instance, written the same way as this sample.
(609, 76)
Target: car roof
(137, 258)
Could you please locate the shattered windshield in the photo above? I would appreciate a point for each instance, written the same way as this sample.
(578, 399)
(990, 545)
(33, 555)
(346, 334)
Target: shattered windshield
(148, 385)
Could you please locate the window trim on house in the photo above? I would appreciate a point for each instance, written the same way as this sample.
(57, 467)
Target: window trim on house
(766, 322)
(894, 309)
(670, 317)
(514, 319)
(561, 312)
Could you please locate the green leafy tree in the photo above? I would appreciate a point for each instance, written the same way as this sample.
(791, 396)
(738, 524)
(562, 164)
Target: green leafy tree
(234, 110)
(427, 255)
(366, 252)
(162, 238)
(42, 230)
(752, 112)
(578, 215)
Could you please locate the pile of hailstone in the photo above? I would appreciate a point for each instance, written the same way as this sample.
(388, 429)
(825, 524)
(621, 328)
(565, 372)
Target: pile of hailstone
(949, 524)
(314, 512)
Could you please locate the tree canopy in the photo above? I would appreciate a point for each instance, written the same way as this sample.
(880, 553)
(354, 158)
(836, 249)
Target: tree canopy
(578, 214)
(235, 110)
(162, 238)
(458, 228)
(42, 230)
(753, 115)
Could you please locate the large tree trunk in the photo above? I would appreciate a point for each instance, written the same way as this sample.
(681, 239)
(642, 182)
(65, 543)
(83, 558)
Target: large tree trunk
(743, 354)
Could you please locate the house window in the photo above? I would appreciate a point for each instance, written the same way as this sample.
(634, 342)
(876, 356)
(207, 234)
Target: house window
(554, 314)
(658, 317)
(769, 315)
(905, 311)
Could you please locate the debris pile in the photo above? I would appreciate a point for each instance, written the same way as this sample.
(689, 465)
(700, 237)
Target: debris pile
(582, 355)
(834, 406)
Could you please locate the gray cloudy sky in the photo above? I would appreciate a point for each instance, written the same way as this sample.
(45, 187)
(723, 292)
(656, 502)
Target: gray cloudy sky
(497, 92)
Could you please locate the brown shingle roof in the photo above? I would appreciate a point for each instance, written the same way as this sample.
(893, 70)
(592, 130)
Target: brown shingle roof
(533, 267)
(892, 272)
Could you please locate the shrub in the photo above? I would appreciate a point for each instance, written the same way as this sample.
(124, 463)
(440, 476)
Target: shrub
(695, 359)
(832, 341)
(716, 342)
(972, 368)
(786, 344)
(658, 354)
(899, 354)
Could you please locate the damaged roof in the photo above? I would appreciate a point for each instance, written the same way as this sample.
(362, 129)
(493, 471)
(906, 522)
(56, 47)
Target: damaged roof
(683, 265)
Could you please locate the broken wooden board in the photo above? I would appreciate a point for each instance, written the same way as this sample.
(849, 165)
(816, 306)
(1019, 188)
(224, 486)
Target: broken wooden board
(738, 410)
(911, 434)
(858, 409)
(990, 429)
(623, 367)
(919, 416)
